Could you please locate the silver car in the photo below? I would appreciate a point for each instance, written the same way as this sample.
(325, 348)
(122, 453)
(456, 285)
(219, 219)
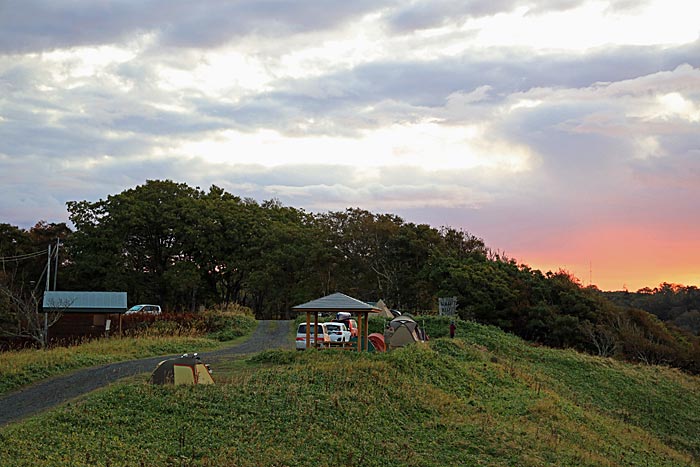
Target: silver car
(148, 309)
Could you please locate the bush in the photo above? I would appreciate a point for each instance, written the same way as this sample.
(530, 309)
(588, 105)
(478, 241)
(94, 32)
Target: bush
(277, 356)
(220, 323)
(233, 308)
(227, 326)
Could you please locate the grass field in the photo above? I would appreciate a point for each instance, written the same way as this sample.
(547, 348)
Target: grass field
(485, 398)
(22, 367)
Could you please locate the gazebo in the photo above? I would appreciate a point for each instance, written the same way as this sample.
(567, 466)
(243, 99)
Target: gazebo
(335, 303)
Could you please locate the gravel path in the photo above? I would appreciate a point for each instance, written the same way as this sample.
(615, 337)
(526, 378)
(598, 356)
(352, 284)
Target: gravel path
(49, 393)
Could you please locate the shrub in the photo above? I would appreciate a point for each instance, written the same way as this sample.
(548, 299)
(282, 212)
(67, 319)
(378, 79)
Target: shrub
(277, 356)
(227, 326)
(223, 323)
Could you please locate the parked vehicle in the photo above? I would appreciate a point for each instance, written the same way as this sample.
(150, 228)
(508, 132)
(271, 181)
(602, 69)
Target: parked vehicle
(338, 332)
(324, 338)
(349, 323)
(150, 309)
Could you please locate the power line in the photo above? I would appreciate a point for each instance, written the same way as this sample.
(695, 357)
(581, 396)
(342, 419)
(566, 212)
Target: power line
(23, 256)
(16, 258)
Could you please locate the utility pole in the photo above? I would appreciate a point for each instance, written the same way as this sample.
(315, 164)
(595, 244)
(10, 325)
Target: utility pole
(48, 269)
(55, 270)
(48, 282)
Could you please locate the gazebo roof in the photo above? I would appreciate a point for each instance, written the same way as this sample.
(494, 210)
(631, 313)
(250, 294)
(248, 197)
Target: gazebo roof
(336, 302)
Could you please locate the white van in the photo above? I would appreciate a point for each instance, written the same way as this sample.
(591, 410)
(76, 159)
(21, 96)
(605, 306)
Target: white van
(323, 336)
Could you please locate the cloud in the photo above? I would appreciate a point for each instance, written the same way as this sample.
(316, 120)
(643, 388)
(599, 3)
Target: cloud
(377, 94)
(40, 25)
(598, 131)
(428, 14)
(36, 25)
(507, 117)
(571, 121)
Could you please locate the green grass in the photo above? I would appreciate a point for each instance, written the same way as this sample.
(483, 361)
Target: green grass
(23, 367)
(485, 398)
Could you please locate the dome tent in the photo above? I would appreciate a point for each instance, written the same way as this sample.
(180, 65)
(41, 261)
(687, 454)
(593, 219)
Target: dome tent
(186, 369)
(402, 331)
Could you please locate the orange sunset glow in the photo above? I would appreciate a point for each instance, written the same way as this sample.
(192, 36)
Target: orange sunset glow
(619, 257)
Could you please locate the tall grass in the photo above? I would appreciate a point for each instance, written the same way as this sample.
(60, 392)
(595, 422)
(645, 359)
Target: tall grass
(484, 398)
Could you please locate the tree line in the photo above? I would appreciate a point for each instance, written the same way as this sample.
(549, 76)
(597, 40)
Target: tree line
(186, 248)
(673, 303)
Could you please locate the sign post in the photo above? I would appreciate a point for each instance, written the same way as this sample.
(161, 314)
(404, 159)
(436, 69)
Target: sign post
(448, 306)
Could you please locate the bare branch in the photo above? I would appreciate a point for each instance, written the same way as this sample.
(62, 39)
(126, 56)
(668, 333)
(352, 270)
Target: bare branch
(28, 322)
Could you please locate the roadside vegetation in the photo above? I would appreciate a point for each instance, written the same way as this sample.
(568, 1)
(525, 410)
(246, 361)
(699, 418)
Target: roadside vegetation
(483, 398)
(146, 336)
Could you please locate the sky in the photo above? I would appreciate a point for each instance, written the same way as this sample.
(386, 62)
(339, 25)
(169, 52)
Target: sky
(565, 133)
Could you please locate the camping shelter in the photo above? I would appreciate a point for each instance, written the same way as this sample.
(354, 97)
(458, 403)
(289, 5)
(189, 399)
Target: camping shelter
(84, 313)
(335, 303)
(385, 311)
(402, 331)
(186, 369)
(377, 341)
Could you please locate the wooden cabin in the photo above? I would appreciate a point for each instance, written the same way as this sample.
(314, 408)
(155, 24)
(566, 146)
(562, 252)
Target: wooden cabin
(84, 314)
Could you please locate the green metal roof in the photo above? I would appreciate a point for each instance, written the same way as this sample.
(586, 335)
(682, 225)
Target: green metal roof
(85, 302)
(338, 302)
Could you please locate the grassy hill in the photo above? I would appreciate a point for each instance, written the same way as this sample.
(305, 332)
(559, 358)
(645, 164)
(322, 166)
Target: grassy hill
(484, 398)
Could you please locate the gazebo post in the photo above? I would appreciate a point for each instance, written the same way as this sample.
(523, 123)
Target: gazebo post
(316, 329)
(359, 332)
(366, 331)
(308, 328)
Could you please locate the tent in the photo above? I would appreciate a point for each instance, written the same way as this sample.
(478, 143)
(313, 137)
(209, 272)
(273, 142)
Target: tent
(377, 341)
(386, 312)
(402, 331)
(187, 369)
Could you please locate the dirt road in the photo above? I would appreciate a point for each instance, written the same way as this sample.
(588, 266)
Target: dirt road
(54, 391)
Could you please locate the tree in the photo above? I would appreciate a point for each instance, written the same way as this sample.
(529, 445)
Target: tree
(16, 249)
(23, 253)
(284, 265)
(132, 239)
(22, 318)
(689, 320)
(24, 265)
(602, 337)
(223, 242)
